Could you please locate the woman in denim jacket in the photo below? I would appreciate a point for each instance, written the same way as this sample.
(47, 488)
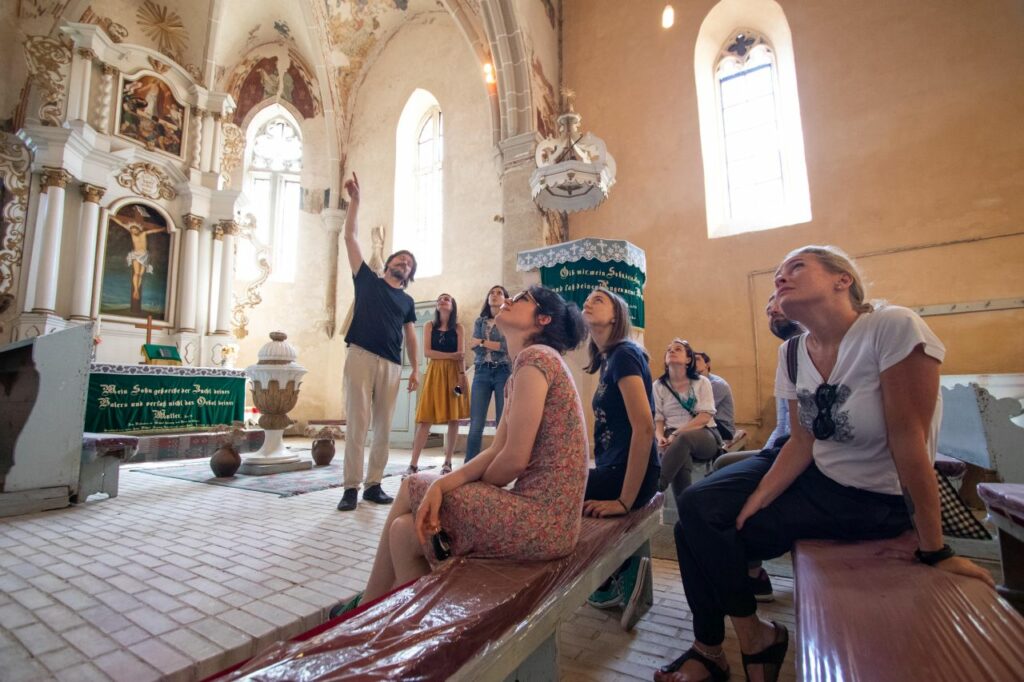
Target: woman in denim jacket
(491, 369)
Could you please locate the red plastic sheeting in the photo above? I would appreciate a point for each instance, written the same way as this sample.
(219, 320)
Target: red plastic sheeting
(428, 630)
(868, 611)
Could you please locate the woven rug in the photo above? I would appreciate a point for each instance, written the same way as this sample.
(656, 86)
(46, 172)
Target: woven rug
(285, 484)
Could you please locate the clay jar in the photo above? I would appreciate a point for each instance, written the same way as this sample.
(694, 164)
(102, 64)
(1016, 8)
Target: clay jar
(225, 462)
(323, 451)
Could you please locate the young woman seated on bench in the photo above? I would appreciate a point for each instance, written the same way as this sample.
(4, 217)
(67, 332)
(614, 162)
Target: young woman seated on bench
(864, 418)
(541, 444)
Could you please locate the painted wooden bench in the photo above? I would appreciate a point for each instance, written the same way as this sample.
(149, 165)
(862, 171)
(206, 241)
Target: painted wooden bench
(869, 611)
(1005, 503)
(472, 619)
(102, 455)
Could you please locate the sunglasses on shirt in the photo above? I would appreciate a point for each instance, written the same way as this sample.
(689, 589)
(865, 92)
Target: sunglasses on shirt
(823, 426)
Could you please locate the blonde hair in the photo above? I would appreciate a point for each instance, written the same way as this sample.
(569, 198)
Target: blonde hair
(836, 261)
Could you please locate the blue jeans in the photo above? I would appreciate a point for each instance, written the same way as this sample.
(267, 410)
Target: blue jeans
(486, 379)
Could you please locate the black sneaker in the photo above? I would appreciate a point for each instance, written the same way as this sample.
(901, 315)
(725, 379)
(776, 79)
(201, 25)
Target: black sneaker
(376, 495)
(348, 499)
(762, 587)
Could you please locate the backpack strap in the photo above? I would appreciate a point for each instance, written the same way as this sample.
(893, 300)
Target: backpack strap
(792, 350)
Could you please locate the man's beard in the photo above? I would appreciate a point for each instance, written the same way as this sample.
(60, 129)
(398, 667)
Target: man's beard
(784, 328)
(397, 274)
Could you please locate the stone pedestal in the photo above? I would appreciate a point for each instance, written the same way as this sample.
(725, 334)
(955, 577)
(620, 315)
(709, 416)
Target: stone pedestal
(275, 390)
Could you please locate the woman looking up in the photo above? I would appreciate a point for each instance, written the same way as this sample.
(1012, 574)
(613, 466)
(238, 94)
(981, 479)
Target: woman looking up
(443, 398)
(863, 392)
(490, 368)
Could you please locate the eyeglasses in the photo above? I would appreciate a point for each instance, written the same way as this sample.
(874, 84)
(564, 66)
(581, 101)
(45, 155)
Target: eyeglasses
(823, 425)
(525, 293)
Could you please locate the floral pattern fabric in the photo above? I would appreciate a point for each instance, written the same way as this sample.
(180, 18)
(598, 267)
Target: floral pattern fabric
(539, 517)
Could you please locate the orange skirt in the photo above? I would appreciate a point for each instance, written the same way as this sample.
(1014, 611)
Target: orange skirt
(438, 402)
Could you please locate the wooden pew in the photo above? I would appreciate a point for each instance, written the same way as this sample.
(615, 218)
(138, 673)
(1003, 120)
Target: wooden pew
(869, 611)
(472, 619)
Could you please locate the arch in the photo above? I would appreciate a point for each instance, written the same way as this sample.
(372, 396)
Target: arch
(767, 18)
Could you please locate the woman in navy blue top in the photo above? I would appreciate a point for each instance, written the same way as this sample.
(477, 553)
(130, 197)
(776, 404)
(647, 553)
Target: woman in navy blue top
(626, 475)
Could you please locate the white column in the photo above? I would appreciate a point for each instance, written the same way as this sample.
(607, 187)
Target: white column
(227, 277)
(101, 116)
(81, 75)
(216, 260)
(85, 258)
(32, 245)
(218, 143)
(56, 180)
(207, 141)
(189, 274)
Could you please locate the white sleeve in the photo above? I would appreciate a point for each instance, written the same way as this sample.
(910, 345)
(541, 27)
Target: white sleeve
(705, 396)
(899, 331)
(659, 401)
(784, 388)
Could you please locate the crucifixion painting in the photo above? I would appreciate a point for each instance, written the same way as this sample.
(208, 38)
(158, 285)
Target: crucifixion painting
(136, 263)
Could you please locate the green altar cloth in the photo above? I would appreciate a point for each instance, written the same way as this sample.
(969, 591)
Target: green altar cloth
(124, 398)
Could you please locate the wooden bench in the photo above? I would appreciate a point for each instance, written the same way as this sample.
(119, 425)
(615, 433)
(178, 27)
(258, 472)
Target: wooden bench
(868, 611)
(472, 619)
(1005, 503)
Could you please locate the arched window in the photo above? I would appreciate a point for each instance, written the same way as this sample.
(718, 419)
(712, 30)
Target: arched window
(751, 138)
(419, 164)
(272, 186)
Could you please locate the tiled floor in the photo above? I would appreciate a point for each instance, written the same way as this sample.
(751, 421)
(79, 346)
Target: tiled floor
(177, 580)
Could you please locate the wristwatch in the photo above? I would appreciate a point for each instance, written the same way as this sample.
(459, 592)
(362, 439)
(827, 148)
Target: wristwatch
(932, 558)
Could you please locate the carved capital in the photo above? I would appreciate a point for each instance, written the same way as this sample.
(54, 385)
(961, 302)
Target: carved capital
(87, 54)
(92, 193)
(56, 177)
(192, 221)
(229, 227)
(196, 111)
(218, 233)
(109, 70)
(216, 117)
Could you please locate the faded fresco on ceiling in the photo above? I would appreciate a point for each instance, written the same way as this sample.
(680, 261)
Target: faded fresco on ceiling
(114, 30)
(259, 78)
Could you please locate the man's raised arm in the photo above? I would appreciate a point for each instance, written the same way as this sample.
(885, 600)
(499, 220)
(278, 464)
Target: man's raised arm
(355, 255)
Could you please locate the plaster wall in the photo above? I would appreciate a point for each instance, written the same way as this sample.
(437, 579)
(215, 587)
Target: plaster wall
(472, 198)
(913, 153)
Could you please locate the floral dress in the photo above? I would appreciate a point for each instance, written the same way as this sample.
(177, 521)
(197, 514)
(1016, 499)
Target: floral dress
(539, 518)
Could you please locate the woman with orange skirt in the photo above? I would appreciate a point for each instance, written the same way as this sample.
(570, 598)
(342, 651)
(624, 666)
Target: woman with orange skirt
(444, 395)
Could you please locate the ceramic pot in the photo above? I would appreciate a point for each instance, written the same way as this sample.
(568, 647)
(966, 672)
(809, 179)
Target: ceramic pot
(225, 462)
(323, 451)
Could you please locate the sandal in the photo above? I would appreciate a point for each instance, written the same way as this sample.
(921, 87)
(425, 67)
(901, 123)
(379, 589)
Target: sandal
(770, 657)
(446, 469)
(716, 673)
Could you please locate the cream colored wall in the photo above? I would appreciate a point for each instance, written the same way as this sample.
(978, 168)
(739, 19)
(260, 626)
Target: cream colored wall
(432, 54)
(911, 118)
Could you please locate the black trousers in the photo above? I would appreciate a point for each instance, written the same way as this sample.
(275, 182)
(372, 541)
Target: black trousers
(713, 555)
(605, 483)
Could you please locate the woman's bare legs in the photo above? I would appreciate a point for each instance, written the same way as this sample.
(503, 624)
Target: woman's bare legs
(418, 441)
(385, 572)
(449, 443)
(406, 551)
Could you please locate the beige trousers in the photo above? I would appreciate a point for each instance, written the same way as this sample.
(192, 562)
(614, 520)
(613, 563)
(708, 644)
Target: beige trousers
(371, 387)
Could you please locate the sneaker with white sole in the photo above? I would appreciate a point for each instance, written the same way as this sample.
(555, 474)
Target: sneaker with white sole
(608, 595)
(634, 586)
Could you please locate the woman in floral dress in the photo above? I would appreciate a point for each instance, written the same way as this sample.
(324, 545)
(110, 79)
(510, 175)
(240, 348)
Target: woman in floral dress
(541, 444)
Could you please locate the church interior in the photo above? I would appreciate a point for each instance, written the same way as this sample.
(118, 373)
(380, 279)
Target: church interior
(172, 178)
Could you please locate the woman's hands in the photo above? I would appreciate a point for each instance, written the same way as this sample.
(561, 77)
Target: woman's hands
(754, 504)
(663, 441)
(603, 508)
(961, 566)
(428, 516)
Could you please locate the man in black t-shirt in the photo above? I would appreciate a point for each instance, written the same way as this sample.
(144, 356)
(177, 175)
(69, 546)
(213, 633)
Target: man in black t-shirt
(381, 315)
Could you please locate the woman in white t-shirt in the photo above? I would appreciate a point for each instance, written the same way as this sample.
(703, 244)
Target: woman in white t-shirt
(684, 417)
(864, 414)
